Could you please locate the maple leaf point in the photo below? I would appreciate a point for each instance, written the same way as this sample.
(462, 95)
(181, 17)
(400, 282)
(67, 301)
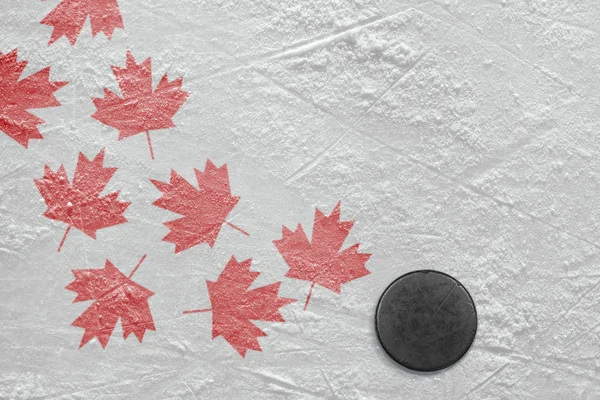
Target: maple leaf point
(320, 261)
(234, 306)
(141, 109)
(18, 96)
(69, 16)
(204, 209)
(115, 296)
(79, 204)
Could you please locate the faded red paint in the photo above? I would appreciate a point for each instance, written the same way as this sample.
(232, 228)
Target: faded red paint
(79, 204)
(141, 109)
(70, 15)
(115, 296)
(320, 261)
(18, 96)
(234, 306)
(204, 210)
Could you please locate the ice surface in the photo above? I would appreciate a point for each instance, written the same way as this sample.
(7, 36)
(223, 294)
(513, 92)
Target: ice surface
(460, 135)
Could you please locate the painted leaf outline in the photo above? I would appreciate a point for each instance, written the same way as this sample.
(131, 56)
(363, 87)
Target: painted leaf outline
(234, 306)
(69, 16)
(204, 209)
(115, 297)
(79, 204)
(19, 96)
(320, 260)
(141, 109)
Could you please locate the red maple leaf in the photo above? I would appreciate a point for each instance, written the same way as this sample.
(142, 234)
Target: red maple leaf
(234, 306)
(116, 296)
(321, 262)
(79, 204)
(141, 109)
(70, 15)
(204, 210)
(18, 96)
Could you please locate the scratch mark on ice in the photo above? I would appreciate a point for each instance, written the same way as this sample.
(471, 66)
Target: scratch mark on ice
(275, 380)
(564, 314)
(315, 161)
(486, 380)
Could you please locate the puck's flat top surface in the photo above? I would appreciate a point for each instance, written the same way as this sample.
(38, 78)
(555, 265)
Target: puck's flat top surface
(426, 320)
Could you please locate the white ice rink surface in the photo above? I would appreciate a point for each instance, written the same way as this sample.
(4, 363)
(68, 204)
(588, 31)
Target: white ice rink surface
(460, 135)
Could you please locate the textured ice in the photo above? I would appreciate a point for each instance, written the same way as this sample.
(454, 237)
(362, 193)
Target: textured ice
(460, 135)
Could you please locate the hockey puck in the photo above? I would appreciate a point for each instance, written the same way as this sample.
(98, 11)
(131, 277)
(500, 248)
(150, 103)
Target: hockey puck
(426, 320)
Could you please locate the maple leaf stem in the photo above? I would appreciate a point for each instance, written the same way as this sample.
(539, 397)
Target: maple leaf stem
(237, 228)
(137, 266)
(63, 239)
(197, 311)
(150, 144)
(309, 294)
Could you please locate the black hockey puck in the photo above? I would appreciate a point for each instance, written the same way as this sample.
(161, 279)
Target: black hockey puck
(426, 320)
